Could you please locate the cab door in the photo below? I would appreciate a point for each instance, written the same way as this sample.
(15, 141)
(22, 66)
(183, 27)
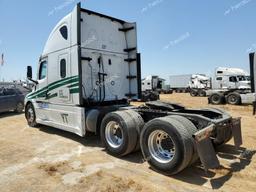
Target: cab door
(232, 82)
(64, 72)
(41, 98)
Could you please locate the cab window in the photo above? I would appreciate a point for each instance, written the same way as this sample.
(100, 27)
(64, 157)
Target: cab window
(43, 70)
(63, 68)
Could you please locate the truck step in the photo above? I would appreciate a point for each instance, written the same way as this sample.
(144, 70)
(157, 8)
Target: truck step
(131, 77)
(129, 60)
(130, 95)
(130, 49)
(126, 29)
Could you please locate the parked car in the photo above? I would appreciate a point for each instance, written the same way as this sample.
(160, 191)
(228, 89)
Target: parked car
(11, 99)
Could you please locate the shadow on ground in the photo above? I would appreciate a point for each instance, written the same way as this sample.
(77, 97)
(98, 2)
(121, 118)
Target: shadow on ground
(239, 160)
(195, 174)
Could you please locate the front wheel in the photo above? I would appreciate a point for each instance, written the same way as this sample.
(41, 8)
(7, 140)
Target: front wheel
(30, 115)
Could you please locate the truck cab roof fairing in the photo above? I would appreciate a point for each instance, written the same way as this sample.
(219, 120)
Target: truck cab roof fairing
(56, 41)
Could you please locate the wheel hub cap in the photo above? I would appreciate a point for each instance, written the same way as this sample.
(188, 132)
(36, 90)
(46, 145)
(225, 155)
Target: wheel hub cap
(114, 134)
(161, 146)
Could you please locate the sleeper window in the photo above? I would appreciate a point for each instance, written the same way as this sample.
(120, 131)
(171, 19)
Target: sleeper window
(62, 68)
(64, 32)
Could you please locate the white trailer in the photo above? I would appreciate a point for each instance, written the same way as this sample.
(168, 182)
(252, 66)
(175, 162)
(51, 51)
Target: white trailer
(89, 70)
(180, 83)
(196, 84)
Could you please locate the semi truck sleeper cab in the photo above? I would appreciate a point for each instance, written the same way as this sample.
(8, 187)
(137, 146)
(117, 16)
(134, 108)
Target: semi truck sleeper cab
(90, 69)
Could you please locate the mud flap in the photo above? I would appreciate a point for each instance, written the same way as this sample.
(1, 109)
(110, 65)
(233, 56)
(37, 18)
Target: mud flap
(205, 148)
(236, 131)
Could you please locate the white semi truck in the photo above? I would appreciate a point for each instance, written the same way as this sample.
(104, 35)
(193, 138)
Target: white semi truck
(232, 86)
(83, 85)
(155, 83)
(198, 85)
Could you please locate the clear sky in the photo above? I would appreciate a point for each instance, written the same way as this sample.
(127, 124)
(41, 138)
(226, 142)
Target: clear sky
(174, 36)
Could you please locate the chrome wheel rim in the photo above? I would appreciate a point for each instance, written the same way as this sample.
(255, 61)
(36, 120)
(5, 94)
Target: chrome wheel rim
(114, 134)
(161, 146)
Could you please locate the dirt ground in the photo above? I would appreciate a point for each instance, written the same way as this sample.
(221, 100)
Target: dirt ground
(47, 159)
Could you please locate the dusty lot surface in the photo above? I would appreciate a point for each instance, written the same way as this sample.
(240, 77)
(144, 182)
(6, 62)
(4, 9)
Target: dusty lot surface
(46, 159)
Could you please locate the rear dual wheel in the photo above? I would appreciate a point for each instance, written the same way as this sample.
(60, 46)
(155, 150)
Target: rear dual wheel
(217, 99)
(234, 99)
(193, 93)
(202, 93)
(167, 144)
(120, 132)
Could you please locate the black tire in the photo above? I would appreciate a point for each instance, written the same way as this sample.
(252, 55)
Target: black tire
(191, 128)
(193, 93)
(127, 129)
(30, 115)
(234, 99)
(202, 93)
(19, 107)
(180, 139)
(217, 99)
(139, 123)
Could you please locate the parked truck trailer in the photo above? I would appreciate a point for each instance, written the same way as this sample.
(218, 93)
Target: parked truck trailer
(84, 86)
(180, 83)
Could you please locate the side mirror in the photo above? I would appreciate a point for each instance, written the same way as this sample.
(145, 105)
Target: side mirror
(29, 75)
(29, 72)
